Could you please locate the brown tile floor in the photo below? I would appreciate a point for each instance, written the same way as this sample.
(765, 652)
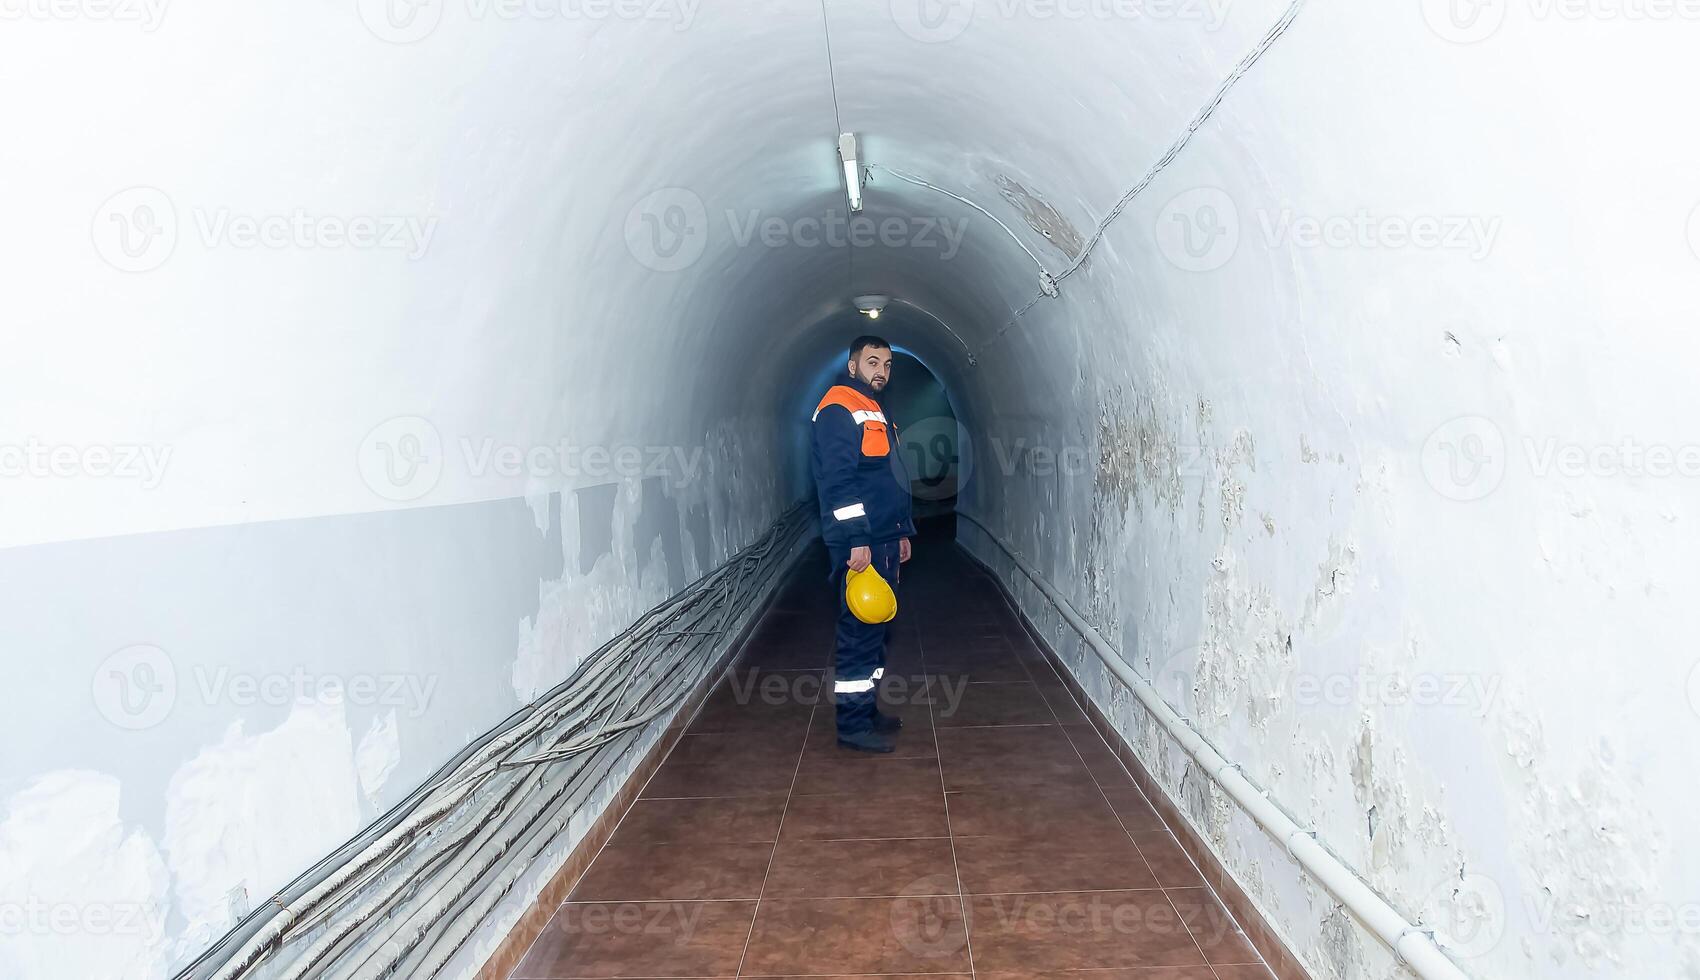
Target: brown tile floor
(1002, 841)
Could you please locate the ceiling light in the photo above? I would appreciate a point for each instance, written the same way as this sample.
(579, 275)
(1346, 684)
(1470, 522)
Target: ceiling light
(871, 306)
(848, 152)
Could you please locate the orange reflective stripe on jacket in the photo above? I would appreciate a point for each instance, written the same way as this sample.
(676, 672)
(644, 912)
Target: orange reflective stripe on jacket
(866, 413)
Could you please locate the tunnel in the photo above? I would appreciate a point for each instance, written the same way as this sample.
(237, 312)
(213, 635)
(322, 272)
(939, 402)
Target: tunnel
(410, 563)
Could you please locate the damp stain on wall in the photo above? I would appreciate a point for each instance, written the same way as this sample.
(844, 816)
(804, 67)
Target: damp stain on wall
(1042, 217)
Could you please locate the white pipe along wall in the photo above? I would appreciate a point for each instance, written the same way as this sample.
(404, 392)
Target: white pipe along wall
(371, 363)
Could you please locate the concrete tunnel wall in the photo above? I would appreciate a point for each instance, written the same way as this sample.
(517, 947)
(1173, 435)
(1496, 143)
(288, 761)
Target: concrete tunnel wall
(1342, 402)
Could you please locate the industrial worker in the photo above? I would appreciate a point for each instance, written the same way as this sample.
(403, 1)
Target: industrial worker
(865, 521)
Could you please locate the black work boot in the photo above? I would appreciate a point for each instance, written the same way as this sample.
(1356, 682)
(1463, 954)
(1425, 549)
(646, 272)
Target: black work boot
(886, 724)
(866, 742)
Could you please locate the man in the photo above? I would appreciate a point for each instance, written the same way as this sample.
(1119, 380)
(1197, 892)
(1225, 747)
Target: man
(865, 520)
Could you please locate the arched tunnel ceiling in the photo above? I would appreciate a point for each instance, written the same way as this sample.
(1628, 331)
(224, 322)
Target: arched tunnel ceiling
(532, 150)
(984, 109)
(1263, 417)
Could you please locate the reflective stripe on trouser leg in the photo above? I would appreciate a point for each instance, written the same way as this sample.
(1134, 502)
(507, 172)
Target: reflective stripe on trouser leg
(861, 651)
(862, 686)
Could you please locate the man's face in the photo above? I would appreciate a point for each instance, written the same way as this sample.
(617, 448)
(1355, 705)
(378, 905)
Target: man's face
(873, 366)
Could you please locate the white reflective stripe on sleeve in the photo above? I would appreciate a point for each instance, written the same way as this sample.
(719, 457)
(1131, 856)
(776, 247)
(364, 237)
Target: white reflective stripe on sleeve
(861, 417)
(851, 512)
(879, 672)
(853, 687)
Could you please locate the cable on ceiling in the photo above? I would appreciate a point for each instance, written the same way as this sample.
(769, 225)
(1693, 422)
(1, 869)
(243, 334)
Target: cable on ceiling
(1203, 115)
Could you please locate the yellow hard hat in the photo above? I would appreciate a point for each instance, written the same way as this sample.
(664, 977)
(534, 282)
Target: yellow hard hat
(870, 597)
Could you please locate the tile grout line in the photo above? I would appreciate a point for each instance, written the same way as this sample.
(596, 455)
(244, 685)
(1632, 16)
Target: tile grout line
(777, 834)
(944, 792)
(1203, 879)
(1143, 798)
(637, 797)
(1098, 785)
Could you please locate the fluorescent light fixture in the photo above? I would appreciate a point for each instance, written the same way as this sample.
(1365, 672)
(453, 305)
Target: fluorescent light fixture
(848, 151)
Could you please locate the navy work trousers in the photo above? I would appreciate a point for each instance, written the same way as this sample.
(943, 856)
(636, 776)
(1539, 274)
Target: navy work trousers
(861, 646)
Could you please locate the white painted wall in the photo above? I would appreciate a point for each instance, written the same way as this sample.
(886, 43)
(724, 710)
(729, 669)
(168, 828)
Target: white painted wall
(328, 500)
(1251, 436)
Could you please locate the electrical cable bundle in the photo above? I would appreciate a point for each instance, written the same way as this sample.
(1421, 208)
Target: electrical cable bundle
(405, 895)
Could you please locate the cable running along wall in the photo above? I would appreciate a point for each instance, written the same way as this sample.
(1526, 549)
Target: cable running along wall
(405, 896)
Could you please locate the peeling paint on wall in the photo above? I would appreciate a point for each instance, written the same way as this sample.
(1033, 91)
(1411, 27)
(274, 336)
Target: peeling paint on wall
(1586, 838)
(253, 810)
(81, 893)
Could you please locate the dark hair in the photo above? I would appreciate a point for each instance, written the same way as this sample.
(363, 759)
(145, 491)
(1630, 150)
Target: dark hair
(866, 340)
